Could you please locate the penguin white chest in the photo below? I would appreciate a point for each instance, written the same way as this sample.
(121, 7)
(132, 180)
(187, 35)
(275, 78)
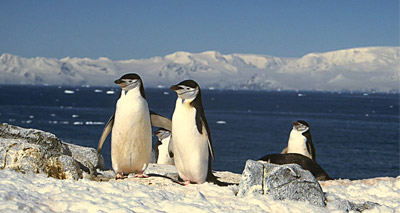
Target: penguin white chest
(297, 143)
(189, 146)
(163, 155)
(131, 134)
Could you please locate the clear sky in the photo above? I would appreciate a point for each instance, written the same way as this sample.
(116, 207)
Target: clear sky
(143, 29)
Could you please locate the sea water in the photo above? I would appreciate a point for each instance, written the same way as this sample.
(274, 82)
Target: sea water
(356, 135)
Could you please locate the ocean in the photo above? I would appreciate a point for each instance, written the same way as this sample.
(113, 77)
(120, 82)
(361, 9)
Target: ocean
(356, 135)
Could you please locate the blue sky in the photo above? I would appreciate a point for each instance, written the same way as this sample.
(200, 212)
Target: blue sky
(143, 29)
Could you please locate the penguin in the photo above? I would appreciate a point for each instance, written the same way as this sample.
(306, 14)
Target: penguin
(161, 148)
(191, 144)
(303, 161)
(131, 138)
(300, 140)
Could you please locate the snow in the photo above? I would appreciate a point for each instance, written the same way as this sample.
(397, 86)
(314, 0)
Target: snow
(38, 193)
(357, 69)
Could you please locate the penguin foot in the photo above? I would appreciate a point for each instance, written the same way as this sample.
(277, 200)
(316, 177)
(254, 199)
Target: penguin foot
(119, 176)
(141, 175)
(184, 183)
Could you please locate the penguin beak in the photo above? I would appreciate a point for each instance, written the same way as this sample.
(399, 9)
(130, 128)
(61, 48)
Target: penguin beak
(175, 87)
(118, 81)
(121, 83)
(296, 125)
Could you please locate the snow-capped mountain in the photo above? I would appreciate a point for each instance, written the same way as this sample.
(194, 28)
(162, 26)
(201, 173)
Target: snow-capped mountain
(357, 69)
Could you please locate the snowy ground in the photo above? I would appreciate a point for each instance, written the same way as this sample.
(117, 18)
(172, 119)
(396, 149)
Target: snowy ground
(38, 193)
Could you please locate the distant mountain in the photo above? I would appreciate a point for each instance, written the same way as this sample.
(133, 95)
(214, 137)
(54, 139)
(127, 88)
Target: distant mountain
(357, 69)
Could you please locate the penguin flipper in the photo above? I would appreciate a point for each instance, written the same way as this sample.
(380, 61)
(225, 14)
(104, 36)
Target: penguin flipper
(284, 151)
(311, 150)
(210, 147)
(202, 124)
(160, 121)
(107, 129)
(156, 152)
(170, 148)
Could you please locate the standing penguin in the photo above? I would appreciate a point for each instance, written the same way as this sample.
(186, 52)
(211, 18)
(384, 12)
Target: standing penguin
(191, 144)
(161, 148)
(300, 140)
(131, 128)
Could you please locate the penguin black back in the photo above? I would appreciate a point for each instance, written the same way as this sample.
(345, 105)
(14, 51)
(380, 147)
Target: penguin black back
(310, 144)
(299, 159)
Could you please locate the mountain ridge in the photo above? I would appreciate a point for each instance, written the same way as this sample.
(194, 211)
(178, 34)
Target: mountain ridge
(354, 69)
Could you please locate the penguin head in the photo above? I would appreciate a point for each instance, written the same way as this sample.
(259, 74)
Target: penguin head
(162, 133)
(131, 81)
(300, 126)
(186, 90)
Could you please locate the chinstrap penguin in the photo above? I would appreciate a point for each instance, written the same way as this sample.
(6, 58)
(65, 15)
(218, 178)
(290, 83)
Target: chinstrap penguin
(161, 148)
(191, 144)
(300, 140)
(130, 125)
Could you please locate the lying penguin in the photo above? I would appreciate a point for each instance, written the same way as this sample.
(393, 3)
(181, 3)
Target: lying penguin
(130, 125)
(299, 159)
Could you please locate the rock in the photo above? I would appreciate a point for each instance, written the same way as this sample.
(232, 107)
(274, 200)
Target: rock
(63, 167)
(252, 179)
(22, 156)
(30, 150)
(33, 136)
(19, 155)
(346, 205)
(87, 157)
(282, 182)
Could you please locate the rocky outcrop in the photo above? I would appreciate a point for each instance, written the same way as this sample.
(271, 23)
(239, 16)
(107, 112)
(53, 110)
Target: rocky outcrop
(87, 157)
(290, 182)
(31, 150)
(347, 206)
(282, 182)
